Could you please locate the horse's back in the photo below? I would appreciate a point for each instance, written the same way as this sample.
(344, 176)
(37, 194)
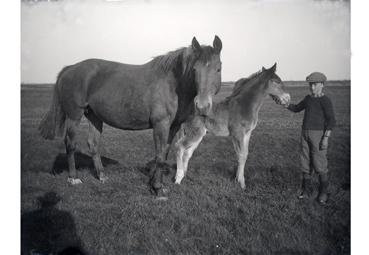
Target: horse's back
(119, 94)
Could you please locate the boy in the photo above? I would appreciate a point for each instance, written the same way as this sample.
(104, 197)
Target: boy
(319, 120)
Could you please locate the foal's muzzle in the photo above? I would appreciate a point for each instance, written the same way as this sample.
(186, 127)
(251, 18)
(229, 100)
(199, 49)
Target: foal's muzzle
(285, 98)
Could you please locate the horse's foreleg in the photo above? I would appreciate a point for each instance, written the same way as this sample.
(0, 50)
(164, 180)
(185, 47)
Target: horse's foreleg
(70, 145)
(160, 131)
(172, 134)
(93, 141)
(241, 146)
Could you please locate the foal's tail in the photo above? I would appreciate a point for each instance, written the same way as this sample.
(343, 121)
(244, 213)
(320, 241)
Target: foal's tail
(53, 122)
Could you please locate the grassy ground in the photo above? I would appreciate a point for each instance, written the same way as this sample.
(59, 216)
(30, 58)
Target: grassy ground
(208, 213)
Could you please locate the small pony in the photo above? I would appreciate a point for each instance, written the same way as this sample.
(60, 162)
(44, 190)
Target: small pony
(235, 116)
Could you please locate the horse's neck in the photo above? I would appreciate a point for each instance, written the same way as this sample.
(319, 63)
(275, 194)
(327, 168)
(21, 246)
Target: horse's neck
(252, 98)
(255, 93)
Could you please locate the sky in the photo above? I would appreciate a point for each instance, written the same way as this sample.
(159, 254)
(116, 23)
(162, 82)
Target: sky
(301, 36)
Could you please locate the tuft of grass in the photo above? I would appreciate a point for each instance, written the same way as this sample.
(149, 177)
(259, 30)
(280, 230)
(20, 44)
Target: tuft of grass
(208, 213)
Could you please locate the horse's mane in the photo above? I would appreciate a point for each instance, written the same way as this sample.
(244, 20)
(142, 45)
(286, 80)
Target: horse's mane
(184, 57)
(242, 83)
(181, 57)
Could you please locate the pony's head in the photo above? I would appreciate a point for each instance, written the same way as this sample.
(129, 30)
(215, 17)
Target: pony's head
(207, 69)
(275, 86)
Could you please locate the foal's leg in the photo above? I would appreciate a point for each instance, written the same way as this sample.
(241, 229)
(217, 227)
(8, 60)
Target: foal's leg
(185, 148)
(172, 133)
(188, 153)
(241, 146)
(71, 145)
(93, 141)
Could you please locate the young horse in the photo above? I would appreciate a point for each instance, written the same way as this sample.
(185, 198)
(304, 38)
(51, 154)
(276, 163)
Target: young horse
(159, 95)
(236, 116)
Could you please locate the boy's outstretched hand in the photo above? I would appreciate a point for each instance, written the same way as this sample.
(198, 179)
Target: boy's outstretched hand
(323, 145)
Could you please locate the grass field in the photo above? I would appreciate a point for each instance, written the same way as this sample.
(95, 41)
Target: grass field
(208, 213)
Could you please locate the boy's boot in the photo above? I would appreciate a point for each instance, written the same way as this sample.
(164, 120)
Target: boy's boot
(323, 188)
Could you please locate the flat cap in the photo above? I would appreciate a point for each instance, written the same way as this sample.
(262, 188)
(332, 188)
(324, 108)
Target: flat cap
(316, 77)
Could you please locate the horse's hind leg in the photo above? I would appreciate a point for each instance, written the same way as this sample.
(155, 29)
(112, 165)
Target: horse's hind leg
(70, 145)
(93, 141)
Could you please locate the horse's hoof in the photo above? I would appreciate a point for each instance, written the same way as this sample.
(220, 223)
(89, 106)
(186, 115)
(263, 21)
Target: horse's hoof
(74, 181)
(162, 192)
(161, 198)
(302, 195)
(241, 183)
(323, 198)
(103, 179)
(177, 181)
(158, 190)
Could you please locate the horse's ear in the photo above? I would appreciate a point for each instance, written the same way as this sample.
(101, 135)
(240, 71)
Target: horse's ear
(263, 69)
(217, 44)
(195, 45)
(274, 68)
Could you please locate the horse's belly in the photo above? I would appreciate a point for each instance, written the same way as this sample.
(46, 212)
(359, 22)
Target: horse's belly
(125, 115)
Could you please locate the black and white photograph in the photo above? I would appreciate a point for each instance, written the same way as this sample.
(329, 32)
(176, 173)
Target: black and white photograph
(185, 127)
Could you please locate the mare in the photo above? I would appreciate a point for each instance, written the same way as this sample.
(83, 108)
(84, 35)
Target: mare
(158, 95)
(235, 116)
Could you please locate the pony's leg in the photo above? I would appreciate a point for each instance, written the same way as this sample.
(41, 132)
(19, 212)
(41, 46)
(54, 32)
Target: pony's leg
(93, 141)
(179, 155)
(185, 148)
(70, 145)
(160, 132)
(241, 146)
(188, 153)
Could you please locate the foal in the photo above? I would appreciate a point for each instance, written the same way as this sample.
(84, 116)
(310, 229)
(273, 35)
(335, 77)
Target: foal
(235, 116)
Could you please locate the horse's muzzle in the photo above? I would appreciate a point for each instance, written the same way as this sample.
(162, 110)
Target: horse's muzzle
(203, 107)
(285, 98)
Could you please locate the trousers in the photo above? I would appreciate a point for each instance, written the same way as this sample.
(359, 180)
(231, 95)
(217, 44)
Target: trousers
(312, 158)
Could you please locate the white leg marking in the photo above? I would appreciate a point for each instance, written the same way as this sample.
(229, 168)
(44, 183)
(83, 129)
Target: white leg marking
(179, 173)
(242, 150)
(74, 181)
(188, 153)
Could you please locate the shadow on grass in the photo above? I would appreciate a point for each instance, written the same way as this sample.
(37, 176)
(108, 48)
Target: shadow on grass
(82, 161)
(49, 230)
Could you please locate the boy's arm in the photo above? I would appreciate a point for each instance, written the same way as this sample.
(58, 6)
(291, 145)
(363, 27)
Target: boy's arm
(330, 122)
(296, 107)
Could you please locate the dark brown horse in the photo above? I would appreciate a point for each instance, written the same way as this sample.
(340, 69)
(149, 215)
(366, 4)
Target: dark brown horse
(158, 95)
(236, 116)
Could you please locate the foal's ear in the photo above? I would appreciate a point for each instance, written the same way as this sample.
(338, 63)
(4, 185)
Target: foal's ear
(217, 44)
(195, 45)
(274, 68)
(263, 69)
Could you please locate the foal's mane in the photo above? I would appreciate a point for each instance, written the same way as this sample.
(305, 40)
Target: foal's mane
(241, 83)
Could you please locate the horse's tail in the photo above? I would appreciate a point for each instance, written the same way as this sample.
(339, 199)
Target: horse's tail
(53, 123)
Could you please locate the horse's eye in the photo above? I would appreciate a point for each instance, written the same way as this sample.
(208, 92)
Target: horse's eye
(218, 70)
